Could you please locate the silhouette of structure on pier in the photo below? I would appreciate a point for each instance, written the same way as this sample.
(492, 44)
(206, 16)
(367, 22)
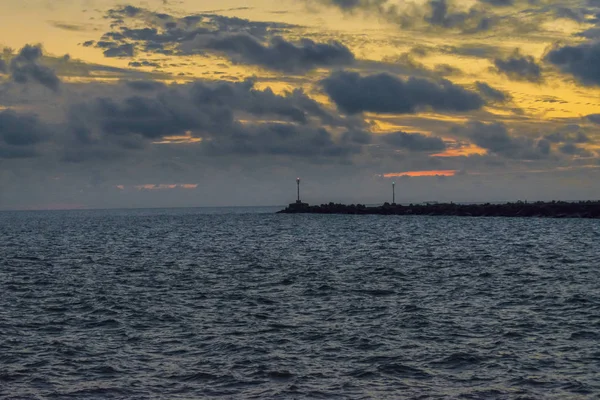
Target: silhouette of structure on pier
(550, 209)
(298, 206)
(540, 209)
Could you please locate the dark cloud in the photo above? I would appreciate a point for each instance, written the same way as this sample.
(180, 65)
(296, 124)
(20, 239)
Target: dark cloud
(495, 138)
(544, 147)
(70, 67)
(166, 32)
(357, 137)
(592, 33)
(168, 27)
(145, 86)
(568, 135)
(433, 13)
(128, 10)
(228, 119)
(406, 64)
(570, 13)
(19, 133)
(480, 50)
(114, 49)
(572, 149)
(348, 4)
(279, 139)
(490, 93)
(11, 152)
(25, 67)
(446, 70)
(519, 67)
(144, 63)
(499, 3)
(385, 93)
(278, 54)
(473, 17)
(380, 8)
(295, 106)
(472, 21)
(595, 118)
(150, 118)
(414, 141)
(211, 111)
(582, 61)
(243, 41)
(69, 27)
(3, 66)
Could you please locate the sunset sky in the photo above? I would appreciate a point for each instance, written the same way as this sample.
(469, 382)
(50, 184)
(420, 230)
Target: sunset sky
(218, 103)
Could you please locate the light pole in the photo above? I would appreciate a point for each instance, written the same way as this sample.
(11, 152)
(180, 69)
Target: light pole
(298, 184)
(393, 192)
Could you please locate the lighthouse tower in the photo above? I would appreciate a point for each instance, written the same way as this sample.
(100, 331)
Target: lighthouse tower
(298, 206)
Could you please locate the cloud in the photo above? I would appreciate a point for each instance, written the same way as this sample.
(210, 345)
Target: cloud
(414, 141)
(243, 41)
(279, 139)
(385, 93)
(519, 67)
(576, 15)
(572, 149)
(19, 133)
(571, 134)
(472, 21)
(162, 27)
(128, 10)
(226, 116)
(380, 8)
(145, 85)
(293, 105)
(581, 61)
(499, 3)
(69, 27)
(222, 119)
(113, 49)
(436, 14)
(24, 67)
(144, 63)
(490, 93)
(495, 138)
(278, 54)
(595, 118)
(479, 50)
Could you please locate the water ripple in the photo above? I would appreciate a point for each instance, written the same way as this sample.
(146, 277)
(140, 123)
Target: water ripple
(191, 303)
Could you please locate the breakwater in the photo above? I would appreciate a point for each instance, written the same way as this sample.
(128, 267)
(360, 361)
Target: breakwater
(552, 209)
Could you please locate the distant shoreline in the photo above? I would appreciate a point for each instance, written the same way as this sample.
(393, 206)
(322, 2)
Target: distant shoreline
(540, 209)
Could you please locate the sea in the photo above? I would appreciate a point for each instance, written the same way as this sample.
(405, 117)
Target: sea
(244, 303)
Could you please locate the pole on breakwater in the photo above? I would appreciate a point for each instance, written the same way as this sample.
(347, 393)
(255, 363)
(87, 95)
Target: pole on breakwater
(298, 184)
(393, 192)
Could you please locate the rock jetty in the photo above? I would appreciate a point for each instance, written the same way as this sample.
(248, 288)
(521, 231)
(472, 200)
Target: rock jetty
(553, 209)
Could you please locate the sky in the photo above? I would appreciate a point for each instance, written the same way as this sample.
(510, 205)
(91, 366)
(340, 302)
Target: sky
(178, 103)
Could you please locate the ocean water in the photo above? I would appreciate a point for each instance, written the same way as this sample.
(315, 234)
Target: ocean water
(244, 303)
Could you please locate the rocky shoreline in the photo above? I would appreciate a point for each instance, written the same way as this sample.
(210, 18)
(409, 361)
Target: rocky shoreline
(553, 209)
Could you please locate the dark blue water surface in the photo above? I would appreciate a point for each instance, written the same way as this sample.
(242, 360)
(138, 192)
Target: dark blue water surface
(239, 303)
